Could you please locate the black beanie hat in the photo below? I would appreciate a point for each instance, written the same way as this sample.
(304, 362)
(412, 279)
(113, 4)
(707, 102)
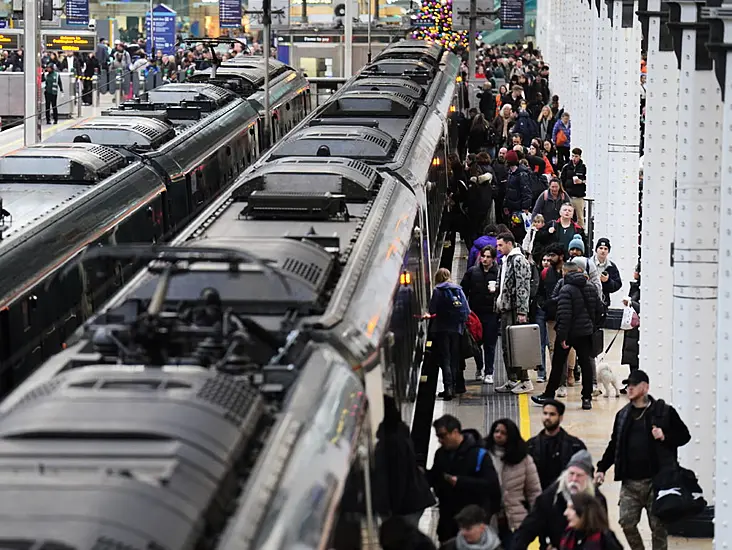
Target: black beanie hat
(603, 241)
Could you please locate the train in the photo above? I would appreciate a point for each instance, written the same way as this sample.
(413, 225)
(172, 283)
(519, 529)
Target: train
(137, 173)
(229, 395)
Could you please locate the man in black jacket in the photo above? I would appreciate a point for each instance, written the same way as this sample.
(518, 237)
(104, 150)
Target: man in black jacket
(574, 180)
(461, 474)
(578, 312)
(546, 519)
(609, 272)
(480, 284)
(552, 448)
(646, 435)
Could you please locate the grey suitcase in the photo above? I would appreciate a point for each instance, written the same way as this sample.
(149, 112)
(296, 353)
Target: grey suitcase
(524, 346)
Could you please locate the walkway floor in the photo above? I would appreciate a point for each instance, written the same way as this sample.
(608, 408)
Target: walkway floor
(480, 406)
(12, 138)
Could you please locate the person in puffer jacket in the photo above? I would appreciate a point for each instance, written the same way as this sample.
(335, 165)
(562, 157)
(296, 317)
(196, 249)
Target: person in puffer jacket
(579, 309)
(480, 191)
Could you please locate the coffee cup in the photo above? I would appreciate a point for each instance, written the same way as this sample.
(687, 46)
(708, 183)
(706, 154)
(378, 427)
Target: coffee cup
(492, 286)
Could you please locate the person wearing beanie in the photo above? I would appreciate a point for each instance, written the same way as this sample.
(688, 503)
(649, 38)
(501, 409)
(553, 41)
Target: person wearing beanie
(577, 244)
(574, 180)
(546, 519)
(609, 273)
(646, 434)
(518, 195)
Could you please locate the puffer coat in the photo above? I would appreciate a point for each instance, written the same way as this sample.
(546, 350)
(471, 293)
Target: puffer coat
(520, 486)
(579, 309)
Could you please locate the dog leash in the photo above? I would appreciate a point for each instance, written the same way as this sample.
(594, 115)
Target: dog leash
(610, 346)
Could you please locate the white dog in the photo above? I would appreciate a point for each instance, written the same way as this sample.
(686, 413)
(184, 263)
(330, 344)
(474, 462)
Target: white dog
(606, 377)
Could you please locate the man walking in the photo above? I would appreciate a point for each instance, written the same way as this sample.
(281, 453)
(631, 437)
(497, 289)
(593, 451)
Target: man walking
(513, 305)
(480, 285)
(552, 447)
(644, 431)
(578, 312)
(609, 273)
(574, 180)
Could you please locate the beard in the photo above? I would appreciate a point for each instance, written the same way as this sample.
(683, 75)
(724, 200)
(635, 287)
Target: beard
(551, 426)
(574, 487)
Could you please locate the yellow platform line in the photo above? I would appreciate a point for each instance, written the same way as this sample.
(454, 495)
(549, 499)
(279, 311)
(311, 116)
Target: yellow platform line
(525, 428)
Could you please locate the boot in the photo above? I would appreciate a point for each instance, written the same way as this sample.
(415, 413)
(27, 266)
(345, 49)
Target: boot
(570, 377)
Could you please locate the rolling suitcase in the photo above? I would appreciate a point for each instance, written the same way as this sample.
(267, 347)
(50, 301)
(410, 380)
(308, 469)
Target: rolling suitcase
(524, 346)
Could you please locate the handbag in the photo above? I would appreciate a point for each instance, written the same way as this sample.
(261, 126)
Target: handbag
(630, 319)
(468, 346)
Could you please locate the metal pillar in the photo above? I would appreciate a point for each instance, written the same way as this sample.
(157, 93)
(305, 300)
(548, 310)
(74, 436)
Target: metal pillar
(721, 48)
(32, 73)
(348, 54)
(696, 233)
(471, 40)
(267, 23)
(619, 197)
(152, 31)
(659, 175)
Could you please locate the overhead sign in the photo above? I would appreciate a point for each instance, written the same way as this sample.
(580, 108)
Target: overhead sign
(317, 39)
(280, 14)
(163, 30)
(512, 14)
(8, 41)
(77, 12)
(229, 14)
(69, 43)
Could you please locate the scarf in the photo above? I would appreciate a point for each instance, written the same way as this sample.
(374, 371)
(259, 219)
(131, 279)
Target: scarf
(504, 269)
(488, 541)
(573, 539)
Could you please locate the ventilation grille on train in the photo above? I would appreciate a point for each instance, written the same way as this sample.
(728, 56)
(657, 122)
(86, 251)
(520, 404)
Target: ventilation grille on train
(307, 271)
(106, 154)
(364, 168)
(381, 142)
(146, 130)
(233, 397)
(44, 390)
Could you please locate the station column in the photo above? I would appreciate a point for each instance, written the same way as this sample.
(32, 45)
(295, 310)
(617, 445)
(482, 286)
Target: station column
(696, 234)
(659, 164)
(720, 45)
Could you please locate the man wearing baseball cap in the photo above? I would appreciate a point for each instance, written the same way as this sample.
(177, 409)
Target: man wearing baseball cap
(645, 431)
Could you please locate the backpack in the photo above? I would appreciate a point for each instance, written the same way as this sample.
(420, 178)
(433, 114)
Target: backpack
(475, 327)
(561, 138)
(481, 454)
(538, 185)
(459, 311)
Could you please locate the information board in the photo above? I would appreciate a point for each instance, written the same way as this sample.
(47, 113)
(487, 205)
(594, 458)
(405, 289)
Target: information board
(77, 12)
(69, 43)
(512, 14)
(8, 41)
(163, 31)
(229, 14)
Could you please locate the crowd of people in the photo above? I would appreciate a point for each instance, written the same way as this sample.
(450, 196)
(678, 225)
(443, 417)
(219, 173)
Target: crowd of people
(516, 200)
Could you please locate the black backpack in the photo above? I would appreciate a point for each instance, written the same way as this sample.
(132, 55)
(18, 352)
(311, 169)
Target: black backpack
(538, 185)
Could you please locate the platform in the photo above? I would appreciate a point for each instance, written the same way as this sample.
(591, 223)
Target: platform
(481, 405)
(12, 138)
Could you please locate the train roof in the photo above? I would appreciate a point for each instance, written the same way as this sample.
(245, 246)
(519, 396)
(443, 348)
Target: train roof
(60, 163)
(134, 132)
(401, 85)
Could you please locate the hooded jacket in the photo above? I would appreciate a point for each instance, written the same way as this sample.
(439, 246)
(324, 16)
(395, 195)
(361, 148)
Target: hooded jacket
(518, 191)
(478, 244)
(567, 446)
(578, 308)
(514, 290)
(475, 285)
(449, 317)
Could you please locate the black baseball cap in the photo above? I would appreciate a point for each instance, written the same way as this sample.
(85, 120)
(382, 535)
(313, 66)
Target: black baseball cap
(636, 377)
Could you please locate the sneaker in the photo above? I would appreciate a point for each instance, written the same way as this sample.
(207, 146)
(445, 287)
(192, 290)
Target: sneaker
(540, 378)
(540, 399)
(596, 392)
(523, 387)
(488, 379)
(478, 375)
(562, 391)
(507, 387)
(586, 404)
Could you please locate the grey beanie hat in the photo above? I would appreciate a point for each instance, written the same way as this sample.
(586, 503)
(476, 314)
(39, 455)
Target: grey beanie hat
(582, 459)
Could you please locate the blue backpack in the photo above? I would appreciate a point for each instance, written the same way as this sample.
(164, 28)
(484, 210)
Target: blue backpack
(458, 310)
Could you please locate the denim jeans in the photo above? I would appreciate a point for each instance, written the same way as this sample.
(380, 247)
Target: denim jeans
(490, 338)
(544, 333)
